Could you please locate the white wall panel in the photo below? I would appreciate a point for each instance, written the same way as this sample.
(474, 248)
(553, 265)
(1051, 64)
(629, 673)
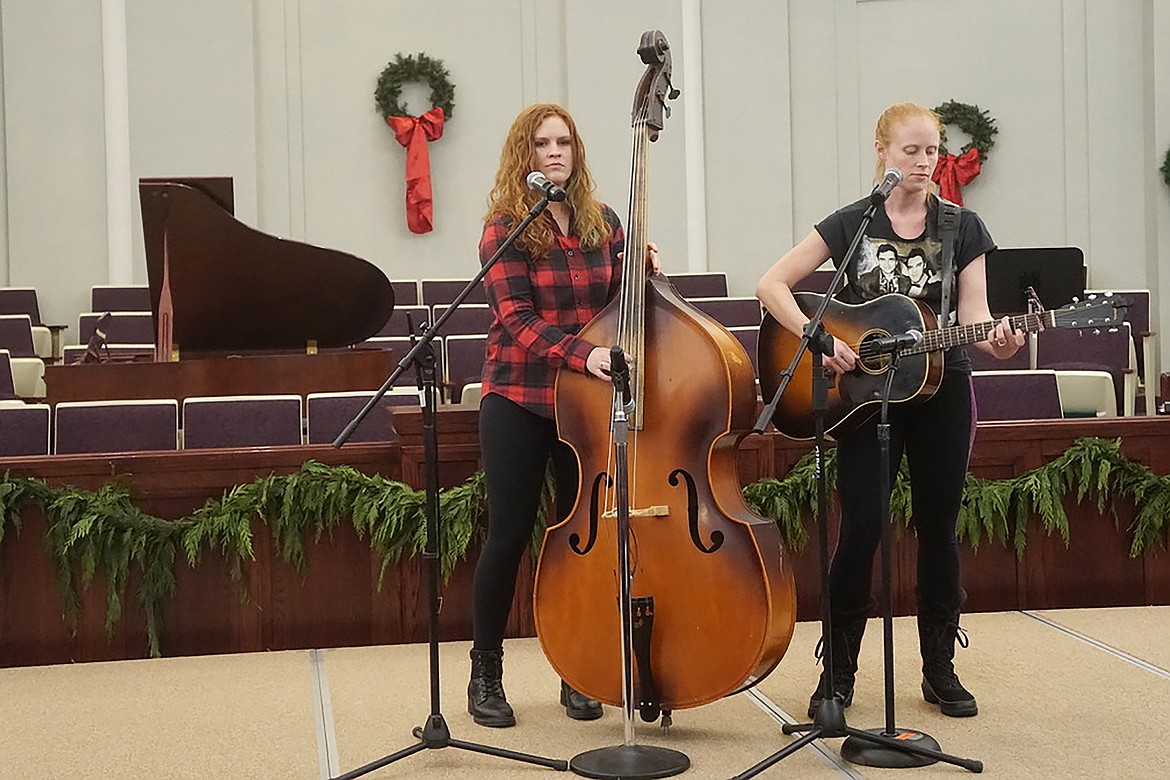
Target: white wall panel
(748, 138)
(603, 70)
(354, 167)
(813, 66)
(1116, 166)
(55, 152)
(1013, 71)
(192, 98)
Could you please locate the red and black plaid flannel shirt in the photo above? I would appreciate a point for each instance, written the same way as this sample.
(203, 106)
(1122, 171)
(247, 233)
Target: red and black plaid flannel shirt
(540, 306)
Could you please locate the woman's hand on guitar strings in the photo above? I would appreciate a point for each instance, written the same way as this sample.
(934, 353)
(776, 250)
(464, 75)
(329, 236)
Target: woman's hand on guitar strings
(844, 359)
(1003, 340)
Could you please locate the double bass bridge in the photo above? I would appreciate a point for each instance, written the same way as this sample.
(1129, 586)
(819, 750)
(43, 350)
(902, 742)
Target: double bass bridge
(650, 511)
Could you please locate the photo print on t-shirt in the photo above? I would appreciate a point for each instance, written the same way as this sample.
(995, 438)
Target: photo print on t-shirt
(908, 267)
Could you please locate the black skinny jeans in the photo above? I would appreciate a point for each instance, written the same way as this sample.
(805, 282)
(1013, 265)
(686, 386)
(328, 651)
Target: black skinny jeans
(936, 437)
(516, 446)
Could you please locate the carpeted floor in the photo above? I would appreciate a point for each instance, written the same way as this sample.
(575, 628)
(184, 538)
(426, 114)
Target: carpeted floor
(1077, 693)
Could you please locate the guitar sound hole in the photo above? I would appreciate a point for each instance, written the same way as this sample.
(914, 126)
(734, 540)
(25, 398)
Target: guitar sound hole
(872, 364)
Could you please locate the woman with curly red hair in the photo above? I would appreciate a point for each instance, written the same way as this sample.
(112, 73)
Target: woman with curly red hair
(559, 274)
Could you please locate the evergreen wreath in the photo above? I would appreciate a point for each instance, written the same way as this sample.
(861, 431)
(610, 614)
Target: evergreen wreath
(404, 70)
(1166, 169)
(973, 121)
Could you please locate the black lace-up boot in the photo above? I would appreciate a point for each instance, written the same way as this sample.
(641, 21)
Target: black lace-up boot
(578, 706)
(938, 630)
(486, 702)
(848, 628)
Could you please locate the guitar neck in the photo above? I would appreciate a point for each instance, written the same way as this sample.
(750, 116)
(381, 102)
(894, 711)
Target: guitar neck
(958, 335)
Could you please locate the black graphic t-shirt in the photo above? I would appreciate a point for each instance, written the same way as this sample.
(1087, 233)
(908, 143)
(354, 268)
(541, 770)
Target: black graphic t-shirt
(887, 263)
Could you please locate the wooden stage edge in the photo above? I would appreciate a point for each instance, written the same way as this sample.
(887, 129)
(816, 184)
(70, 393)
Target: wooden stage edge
(338, 602)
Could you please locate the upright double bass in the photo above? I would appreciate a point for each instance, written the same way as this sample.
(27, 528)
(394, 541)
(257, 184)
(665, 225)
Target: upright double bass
(711, 588)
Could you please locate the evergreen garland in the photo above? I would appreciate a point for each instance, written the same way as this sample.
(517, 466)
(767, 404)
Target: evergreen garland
(404, 70)
(973, 121)
(102, 533)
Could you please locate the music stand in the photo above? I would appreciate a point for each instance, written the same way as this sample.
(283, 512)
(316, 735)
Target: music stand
(1057, 274)
(435, 734)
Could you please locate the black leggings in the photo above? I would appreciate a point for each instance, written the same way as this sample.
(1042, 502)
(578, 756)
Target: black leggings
(516, 445)
(936, 438)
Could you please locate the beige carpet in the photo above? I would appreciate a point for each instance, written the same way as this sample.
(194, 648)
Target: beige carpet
(1078, 693)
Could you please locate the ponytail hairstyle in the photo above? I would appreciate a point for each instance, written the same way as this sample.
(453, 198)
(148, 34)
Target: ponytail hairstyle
(511, 197)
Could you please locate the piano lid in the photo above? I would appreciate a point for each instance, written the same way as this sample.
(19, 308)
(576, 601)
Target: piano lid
(234, 288)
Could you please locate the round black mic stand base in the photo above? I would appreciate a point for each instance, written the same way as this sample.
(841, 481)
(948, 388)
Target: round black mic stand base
(629, 762)
(858, 750)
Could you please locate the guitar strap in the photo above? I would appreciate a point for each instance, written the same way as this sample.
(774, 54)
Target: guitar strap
(948, 233)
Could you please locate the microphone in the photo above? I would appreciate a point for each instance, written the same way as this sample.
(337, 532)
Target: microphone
(620, 371)
(890, 344)
(538, 181)
(892, 179)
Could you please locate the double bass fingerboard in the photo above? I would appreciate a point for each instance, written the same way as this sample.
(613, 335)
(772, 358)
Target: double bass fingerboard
(632, 312)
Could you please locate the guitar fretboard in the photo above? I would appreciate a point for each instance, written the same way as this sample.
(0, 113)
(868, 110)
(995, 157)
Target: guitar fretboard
(958, 335)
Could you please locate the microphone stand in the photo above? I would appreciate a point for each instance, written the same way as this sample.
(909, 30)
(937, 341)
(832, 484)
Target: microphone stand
(858, 749)
(829, 720)
(435, 734)
(627, 761)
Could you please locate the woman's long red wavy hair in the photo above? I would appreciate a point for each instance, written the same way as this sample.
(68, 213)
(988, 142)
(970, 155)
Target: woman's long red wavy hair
(512, 198)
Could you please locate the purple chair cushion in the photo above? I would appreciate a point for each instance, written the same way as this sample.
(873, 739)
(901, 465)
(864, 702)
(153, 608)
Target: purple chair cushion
(700, 285)
(20, 300)
(329, 413)
(119, 298)
(241, 422)
(1027, 395)
(24, 430)
(465, 356)
(16, 335)
(730, 312)
(7, 388)
(1090, 349)
(116, 426)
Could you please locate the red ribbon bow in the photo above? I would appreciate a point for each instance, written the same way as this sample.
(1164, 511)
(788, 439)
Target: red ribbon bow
(953, 172)
(414, 132)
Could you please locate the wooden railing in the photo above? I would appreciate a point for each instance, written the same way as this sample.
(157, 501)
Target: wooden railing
(338, 604)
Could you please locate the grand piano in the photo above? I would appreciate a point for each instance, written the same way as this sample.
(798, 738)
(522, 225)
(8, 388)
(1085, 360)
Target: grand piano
(237, 311)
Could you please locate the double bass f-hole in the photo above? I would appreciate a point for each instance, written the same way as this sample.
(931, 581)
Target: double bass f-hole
(602, 482)
(693, 513)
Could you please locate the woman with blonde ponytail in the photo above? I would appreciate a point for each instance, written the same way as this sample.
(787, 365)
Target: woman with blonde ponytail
(554, 279)
(901, 252)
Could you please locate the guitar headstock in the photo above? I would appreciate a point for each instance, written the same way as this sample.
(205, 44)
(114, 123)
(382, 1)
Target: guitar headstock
(1096, 310)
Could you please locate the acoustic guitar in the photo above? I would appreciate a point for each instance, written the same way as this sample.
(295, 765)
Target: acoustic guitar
(870, 329)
